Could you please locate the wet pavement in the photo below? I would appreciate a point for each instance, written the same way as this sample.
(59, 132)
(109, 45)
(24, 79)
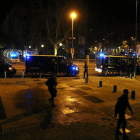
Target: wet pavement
(84, 111)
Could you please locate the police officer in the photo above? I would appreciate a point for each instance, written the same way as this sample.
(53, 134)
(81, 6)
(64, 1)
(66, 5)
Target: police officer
(85, 69)
(120, 109)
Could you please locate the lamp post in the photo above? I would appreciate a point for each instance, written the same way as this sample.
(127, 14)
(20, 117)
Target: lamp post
(73, 15)
(60, 44)
(135, 67)
(42, 48)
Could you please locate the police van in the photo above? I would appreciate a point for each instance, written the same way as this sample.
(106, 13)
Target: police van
(43, 64)
(111, 65)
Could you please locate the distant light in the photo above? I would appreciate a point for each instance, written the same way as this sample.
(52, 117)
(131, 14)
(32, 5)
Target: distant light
(101, 54)
(42, 46)
(73, 15)
(60, 44)
(134, 54)
(13, 55)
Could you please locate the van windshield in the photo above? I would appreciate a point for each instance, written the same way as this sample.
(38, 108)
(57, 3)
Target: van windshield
(68, 61)
(112, 61)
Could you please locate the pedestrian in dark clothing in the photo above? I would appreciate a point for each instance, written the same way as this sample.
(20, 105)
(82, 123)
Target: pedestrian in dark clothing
(122, 67)
(129, 69)
(54, 66)
(52, 83)
(85, 69)
(120, 109)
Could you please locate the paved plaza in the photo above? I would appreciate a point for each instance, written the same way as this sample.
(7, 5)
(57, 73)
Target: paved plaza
(84, 111)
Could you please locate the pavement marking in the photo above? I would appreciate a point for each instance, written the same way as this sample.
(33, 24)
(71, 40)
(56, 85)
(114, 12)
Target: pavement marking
(88, 97)
(93, 99)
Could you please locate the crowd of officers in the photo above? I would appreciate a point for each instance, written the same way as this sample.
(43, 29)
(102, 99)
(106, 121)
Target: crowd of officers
(126, 68)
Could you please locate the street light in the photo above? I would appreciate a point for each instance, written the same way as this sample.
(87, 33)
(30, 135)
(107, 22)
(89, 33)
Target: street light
(73, 16)
(60, 44)
(42, 48)
(135, 68)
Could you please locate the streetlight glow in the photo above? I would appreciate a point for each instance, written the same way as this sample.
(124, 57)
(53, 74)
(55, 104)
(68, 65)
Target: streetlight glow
(73, 15)
(60, 44)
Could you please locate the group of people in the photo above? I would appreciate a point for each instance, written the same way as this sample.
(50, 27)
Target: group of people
(126, 68)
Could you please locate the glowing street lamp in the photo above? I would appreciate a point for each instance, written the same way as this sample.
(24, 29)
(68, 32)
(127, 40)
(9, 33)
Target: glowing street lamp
(73, 16)
(42, 48)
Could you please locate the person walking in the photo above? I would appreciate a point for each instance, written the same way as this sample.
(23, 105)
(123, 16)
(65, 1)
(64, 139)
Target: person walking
(52, 83)
(85, 69)
(120, 108)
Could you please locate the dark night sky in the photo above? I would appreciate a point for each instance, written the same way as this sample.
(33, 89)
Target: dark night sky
(115, 9)
(5, 6)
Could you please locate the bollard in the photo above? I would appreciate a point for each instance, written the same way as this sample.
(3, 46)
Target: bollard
(100, 83)
(130, 76)
(133, 95)
(23, 73)
(114, 89)
(5, 74)
(40, 74)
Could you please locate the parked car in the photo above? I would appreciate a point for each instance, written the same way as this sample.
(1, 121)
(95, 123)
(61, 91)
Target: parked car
(6, 68)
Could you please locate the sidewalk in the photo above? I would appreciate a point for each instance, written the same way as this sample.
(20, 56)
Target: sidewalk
(83, 111)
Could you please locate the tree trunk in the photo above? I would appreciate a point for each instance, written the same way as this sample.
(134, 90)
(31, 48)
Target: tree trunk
(55, 50)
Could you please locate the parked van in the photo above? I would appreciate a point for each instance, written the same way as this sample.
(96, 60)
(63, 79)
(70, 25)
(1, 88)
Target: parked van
(44, 64)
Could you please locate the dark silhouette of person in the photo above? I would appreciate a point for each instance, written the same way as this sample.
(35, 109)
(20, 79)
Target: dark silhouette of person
(129, 69)
(85, 69)
(54, 66)
(52, 83)
(120, 108)
(122, 65)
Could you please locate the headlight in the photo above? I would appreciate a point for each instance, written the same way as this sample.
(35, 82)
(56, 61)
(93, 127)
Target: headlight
(73, 68)
(77, 68)
(10, 68)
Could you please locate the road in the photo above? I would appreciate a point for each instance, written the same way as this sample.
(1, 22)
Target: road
(84, 111)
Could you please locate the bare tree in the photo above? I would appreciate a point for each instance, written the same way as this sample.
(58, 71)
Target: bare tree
(53, 13)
